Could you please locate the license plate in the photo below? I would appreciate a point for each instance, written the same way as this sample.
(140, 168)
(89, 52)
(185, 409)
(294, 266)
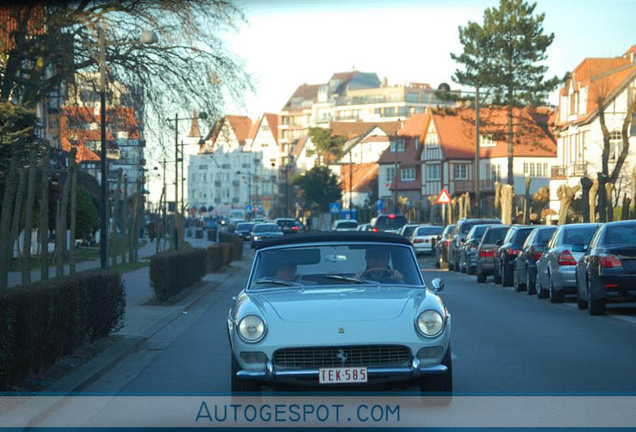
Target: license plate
(342, 375)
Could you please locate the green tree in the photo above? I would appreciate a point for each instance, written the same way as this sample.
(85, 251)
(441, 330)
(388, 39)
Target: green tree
(506, 54)
(86, 213)
(326, 142)
(319, 187)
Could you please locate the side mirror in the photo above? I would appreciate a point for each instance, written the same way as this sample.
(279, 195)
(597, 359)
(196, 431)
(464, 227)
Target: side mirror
(438, 285)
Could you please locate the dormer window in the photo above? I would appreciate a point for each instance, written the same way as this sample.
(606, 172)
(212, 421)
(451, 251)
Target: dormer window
(487, 141)
(574, 102)
(400, 145)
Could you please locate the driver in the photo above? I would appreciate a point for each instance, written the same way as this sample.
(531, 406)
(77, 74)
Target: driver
(378, 269)
(286, 271)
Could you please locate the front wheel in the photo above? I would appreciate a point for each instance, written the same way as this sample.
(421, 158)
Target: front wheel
(442, 383)
(243, 385)
(555, 296)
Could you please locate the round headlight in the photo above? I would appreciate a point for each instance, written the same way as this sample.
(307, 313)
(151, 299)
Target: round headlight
(430, 323)
(251, 328)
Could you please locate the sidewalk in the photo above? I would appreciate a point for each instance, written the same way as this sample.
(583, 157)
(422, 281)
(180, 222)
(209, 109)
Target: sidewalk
(145, 252)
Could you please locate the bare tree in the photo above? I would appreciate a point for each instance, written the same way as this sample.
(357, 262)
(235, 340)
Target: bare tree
(28, 217)
(44, 216)
(71, 254)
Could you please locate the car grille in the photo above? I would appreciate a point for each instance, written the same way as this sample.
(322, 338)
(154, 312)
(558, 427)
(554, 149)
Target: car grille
(366, 355)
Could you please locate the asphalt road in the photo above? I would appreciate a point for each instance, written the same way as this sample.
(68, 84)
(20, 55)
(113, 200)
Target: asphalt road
(503, 342)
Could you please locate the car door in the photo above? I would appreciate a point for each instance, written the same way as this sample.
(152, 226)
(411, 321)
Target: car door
(542, 264)
(521, 262)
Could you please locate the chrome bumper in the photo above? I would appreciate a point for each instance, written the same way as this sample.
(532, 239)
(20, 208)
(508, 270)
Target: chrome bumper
(272, 375)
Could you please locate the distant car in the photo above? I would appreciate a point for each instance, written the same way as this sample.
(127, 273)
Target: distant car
(390, 223)
(288, 225)
(244, 229)
(345, 225)
(607, 271)
(508, 251)
(364, 227)
(486, 251)
(441, 245)
(468, 252)
(525, 268)
(264, 231)
(328, 309)
(233, 224)
(424, 237)
(460, 232)
(407, 230)
(556, 267)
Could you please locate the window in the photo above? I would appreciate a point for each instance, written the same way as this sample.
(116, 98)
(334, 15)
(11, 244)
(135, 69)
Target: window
(400, 145)
(203, 167)
(535, 169)
(460, 172)
(407, 174)
(390, 173)
(615, 145)
(433, 172)
(431, 139)
(487, 141)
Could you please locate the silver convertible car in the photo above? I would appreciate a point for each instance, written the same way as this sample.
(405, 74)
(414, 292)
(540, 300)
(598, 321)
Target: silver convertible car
(335, 310)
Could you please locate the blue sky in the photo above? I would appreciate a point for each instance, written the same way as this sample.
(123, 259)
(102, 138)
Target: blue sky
(286, 43)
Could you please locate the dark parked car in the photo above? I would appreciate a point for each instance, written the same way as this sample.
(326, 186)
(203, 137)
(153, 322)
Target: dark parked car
(468, 251)
(388, 222)
(264, 231)
(460, 232)
(288, 225)
(487, 249)
(441, 246)
(244, 229)
(525, 273)
(607, 271)
(508, 251)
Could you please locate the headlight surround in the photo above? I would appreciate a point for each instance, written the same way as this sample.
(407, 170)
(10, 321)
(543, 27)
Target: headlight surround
(256, 237)
(430, 323)
(251, 328)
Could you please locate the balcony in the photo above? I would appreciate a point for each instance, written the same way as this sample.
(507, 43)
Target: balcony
(575, 169)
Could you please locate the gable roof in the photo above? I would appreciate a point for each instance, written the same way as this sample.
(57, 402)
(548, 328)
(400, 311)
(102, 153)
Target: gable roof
(363, 175)
(456, 131)
(299, 145)
(414, 126)
(272, 121)
(357, 128)
(254, 129)
(240, 126)
(304, 93)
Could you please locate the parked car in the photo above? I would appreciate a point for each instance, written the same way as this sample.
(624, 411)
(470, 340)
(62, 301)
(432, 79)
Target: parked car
(288, 225)
(244, 229)
(468, 251)
(387, 330)
(407, 230)
(364, 227)
(460, 232)
(264, 231)
(388, 222)
(345, 225)
(441, 245)
(607, 270)
(525, 268)
(508, 251)
(487, 249)
(557, 266)
(424, 237)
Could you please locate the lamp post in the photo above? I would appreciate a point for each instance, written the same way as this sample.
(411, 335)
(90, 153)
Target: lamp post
(176, 119)
(248, 175)
(147, 37)
(395, 173)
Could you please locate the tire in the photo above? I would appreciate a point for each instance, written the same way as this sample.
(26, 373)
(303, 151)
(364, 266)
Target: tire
(555, 296)
(516, 283)
(442, 383)
(541, 293)
(597, 307)
(506, 277)
(497, 276)
(481, 278)
(451, 265)
(580, 303)
(243, 385)
(438, 262)
(531, 287)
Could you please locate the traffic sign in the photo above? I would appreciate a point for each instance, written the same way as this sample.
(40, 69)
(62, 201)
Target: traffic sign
(443, 197)
(248, 208)
(378, 205)
(334, 207)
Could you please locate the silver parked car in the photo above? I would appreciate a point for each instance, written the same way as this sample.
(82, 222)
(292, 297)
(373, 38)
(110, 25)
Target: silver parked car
(556, 267)
(330, 309)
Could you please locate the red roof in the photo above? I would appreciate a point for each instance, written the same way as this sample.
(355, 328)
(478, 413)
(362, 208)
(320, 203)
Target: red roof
(241, 127)
(456, 130)
(357, 128)
(10, 16)
(363, 176)
(414, 125)
(307, 92)
(84, 154)
(272, 121)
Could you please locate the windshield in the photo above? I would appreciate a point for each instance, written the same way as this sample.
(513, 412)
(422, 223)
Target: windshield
(336, 265)
(266, 228)
(477, 231)
(493, 235)
(346, 224)
(422, 231)
(408, 230)
(244, 226)
(521, 236)
(544, 235)
(390, 223)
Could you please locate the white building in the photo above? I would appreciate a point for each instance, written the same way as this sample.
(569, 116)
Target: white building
(578, 127)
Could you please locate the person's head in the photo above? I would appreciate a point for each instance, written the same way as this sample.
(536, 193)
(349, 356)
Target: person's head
(377, 257)
(285, 271)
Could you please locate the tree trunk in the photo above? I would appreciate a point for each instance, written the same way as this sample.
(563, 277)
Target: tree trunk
(61, 226)
(124, 223)
(73, 210)
(28, 217)
(586, 185)
(137, 217)
(44, 217)
(602, 198)
(116, 220)
(609, 189)
(526, 204)
(625, 210)
(497, 197)
(17, 213)
(5, 219)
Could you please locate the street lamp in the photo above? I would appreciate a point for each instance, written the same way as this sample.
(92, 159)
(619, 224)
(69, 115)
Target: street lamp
(147, 37)
(248, 175)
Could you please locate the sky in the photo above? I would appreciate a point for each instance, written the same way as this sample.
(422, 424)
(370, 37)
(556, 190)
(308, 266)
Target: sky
(286, 43)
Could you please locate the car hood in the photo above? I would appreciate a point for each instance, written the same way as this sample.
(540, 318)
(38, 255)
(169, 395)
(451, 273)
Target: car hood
(315, 305)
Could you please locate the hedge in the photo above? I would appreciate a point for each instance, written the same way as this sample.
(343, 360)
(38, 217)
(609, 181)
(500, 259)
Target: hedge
(226, 251)
(236, 243)
(47, 320)
(215, 258)
(172, 272)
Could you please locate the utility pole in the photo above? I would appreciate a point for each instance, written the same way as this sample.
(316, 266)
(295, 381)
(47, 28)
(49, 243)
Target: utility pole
(176, 181)
(477, 145)
(395, 173)
(350, 185)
